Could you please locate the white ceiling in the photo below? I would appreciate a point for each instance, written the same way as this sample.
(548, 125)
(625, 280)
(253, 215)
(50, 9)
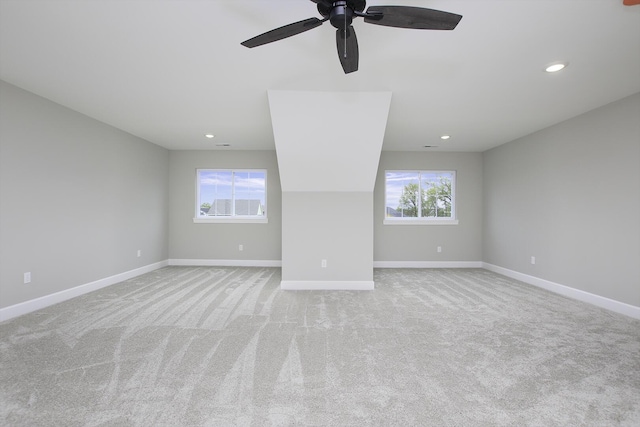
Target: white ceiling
(170, 71)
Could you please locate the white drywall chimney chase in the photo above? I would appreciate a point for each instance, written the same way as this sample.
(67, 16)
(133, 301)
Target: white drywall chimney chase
(328, 146)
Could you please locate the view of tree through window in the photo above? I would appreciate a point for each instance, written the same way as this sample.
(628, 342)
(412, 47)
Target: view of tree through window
(424, 194)
(231, 193)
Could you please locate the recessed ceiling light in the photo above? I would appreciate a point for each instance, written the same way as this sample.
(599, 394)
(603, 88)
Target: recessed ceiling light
(445, 137)
(555, 67)
(209, 135)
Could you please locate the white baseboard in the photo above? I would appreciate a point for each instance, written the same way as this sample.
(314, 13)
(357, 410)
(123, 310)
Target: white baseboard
(19, 309)
(427, 264)
(225, 263)
(597, 300)
(278, 263)
(327, 285)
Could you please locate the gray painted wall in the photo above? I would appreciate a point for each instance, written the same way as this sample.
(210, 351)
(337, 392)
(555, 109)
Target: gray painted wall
(462, 242)
(335, 226)
(264, 241)
(570, 196)
(78, 198)
(189, 240)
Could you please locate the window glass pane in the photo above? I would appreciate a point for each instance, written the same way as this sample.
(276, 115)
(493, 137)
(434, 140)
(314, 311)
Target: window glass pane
(215, 190)
(250, 193)
(444, 208)
(429, 183)
(229, 193)
(436, 194)
(421, 194)
(402, 194)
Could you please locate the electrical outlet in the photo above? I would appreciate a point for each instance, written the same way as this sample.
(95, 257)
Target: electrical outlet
(240, 247)
(533, 260)
(139, 253)
(324, 263)
(27, 277)
(439, 249)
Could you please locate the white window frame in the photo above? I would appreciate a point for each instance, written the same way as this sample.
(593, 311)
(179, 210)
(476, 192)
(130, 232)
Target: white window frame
(232, 219)
(453, 220)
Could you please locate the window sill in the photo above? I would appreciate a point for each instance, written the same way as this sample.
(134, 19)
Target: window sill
(226, 220)
(411, 221)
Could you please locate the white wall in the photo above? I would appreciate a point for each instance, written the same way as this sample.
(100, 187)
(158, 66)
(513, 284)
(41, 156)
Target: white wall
(332, 226)
(328, 173)
(570, 196)
(318, 146)
(460, 243)
(214, 242)
(78, 198)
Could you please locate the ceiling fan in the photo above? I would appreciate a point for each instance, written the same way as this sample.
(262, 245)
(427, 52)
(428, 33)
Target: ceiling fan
(341, 14)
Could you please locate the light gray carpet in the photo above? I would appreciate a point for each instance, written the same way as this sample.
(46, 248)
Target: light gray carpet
(225, 346)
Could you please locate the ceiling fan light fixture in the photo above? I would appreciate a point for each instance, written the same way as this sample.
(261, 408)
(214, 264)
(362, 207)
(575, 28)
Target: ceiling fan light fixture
(341, 14)
(555, 67)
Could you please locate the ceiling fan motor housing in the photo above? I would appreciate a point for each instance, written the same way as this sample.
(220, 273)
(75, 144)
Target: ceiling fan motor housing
(341, 15)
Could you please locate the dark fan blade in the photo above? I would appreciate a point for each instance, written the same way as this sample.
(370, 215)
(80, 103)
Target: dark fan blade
(283, 32)
(347, 49)
(412, 17)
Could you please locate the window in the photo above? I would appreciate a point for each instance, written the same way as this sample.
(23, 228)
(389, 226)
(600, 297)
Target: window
(425, 197)
(231, 195)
